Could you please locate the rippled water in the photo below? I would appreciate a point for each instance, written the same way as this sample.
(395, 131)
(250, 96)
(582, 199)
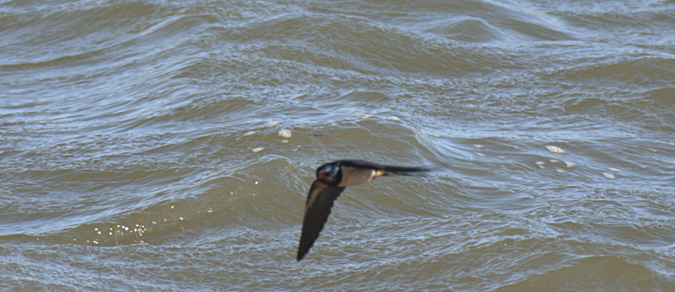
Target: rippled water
(169, 146)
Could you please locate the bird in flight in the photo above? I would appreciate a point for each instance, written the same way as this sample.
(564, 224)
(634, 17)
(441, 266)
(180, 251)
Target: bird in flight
(331, 179)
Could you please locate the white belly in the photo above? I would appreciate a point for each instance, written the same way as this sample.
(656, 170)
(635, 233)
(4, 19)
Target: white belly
(355, 176)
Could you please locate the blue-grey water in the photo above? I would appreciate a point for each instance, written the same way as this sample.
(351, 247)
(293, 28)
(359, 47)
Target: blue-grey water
(169, 145)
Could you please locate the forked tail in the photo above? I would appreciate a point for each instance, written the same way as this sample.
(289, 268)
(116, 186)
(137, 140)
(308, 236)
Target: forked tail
(402, 170)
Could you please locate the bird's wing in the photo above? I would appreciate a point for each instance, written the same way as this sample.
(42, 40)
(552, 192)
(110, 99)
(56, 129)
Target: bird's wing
(388, 169)
(317, 208)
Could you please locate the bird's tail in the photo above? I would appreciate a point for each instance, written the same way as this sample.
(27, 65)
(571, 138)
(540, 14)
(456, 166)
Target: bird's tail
(402, 170)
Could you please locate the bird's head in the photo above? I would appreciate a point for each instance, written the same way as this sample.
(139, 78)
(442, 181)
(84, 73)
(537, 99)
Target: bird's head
(329, 174)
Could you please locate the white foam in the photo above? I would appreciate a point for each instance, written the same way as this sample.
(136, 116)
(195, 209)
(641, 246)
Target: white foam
(555, 149)
(286, 133)
(362, 116)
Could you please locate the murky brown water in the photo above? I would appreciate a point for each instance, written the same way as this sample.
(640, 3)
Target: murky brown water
(161, 146)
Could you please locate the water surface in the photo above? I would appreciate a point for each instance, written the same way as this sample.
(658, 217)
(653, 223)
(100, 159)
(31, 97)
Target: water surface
(161, 146)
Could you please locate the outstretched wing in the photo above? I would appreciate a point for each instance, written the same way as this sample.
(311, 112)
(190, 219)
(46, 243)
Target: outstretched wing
(317, 208)
(388, 169)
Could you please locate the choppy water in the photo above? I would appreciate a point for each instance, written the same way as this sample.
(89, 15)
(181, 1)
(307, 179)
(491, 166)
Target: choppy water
(144, 145)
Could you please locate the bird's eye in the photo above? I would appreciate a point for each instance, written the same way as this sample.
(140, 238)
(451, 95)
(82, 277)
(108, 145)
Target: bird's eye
(326, 171)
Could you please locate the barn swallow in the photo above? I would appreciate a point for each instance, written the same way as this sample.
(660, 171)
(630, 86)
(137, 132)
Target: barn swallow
(331, 179)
